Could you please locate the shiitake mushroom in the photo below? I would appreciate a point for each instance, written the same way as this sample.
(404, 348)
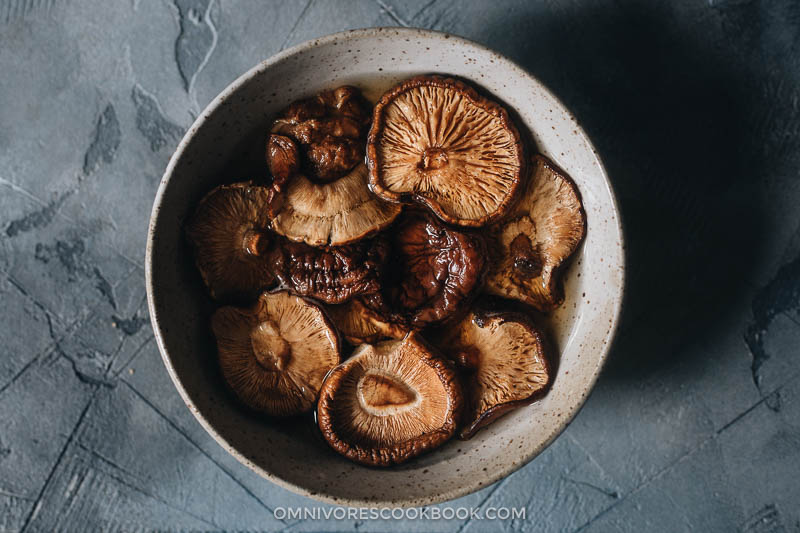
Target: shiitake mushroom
(329, 128)
(283, 159)
(435, 141)
(504, 364)
(230, 234)
(360, 326)
(432, 275)
(275, 354)
(390, 402)
(333, 274)
(332, 214)
(537, 238)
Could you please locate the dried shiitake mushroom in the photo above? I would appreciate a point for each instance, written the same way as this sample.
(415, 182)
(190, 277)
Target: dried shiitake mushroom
(274, 356)
(330, 274)
(335, 213)
(283, 159)
(432, 274)
(504, 365)
(436, 141)
(229, 232)
(359, 326)
(330, 128)
(389, 402)
(542, 231)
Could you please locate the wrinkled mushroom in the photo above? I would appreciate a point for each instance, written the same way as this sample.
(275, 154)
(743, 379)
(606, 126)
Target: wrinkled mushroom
(432, 274)
(436, 141)
(504, 365)
(274, 355)
(389, 402)
(332, 214)
(330, 127)
(330, 274)
(359, 326)
(229, 232)
(543, 230)
(283, 159)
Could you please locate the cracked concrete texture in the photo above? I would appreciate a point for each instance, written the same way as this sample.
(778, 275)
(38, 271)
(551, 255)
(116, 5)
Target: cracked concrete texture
(695, 424)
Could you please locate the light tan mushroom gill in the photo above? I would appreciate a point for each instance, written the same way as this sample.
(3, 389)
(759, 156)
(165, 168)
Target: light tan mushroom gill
(335, 213)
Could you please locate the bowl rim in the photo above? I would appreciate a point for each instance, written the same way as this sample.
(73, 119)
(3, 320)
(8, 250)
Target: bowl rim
(327, 497)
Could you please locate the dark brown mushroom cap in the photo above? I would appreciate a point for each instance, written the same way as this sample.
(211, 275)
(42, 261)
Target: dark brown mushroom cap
(437, 142)
(332, 214)
(275, 355)
(432, 274)
(330, 128)
(504, 363)
(230, 234)
(537, 238)
(389, 402)
(330, 274)
(283, 159)
(358, 325)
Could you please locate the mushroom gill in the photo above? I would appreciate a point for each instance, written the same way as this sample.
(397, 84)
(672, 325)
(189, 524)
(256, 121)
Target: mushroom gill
(230, 234)
(437, 142)
(332, 214)
(275, 354)
(359, 326)
(503, 361)
(389, 402)
(537, 238)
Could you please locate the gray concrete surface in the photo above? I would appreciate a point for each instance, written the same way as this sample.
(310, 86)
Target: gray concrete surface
(695, 107)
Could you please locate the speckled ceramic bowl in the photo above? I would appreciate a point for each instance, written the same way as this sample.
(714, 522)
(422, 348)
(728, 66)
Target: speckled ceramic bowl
(292, 454)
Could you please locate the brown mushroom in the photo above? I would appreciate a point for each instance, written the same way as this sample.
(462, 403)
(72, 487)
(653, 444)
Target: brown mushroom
(432, 275)
(540, 234)
(437, 142)
(330, 274)
(283, 159)
(359, 326)
(332, 214)
(330, 128)
(504, 363)
(274, 355)
(229, 232)
(389, 402)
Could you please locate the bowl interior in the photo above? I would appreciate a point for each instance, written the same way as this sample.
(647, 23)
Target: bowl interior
(224, 145)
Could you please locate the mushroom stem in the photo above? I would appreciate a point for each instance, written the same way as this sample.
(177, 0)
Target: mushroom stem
(254, 242)
(433, 158)
(383, 395)
(468, 358)
(526, 260)
(271, 350)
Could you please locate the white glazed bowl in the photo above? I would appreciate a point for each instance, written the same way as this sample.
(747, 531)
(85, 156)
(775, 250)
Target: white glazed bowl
(291, 454)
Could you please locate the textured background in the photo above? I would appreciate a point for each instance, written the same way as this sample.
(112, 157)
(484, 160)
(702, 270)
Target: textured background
(694, 106)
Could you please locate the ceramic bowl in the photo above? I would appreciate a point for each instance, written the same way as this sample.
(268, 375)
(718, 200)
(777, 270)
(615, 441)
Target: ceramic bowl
(226, 138)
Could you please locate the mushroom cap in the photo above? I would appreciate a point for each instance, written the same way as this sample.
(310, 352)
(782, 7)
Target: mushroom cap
(505, 364)
(437, 142)
(389, 402)
(534, 242)
(330, 127)
(333, 275)
(432, 275)
(283, 159)
(360, 326)
(274, 355)
(335, 213)
(230, 234)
